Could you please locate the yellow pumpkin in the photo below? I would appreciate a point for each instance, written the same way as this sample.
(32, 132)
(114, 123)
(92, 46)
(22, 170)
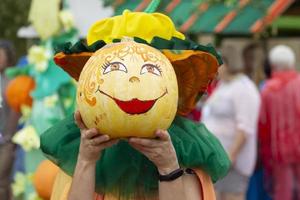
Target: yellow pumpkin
(127, 89)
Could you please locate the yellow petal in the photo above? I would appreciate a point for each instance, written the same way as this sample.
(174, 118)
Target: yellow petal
(67, 19)
(18, 187)
(27, 138)
(44, 17)
(50, 101)
(129, 25)
(38, 54)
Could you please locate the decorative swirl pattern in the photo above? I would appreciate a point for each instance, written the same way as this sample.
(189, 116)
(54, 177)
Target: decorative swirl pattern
(92, 77)
(89, 86)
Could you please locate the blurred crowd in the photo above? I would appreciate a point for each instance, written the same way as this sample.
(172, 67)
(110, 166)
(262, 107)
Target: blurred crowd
(257, 122)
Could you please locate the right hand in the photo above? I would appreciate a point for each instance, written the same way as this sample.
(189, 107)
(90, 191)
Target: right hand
(91, 143)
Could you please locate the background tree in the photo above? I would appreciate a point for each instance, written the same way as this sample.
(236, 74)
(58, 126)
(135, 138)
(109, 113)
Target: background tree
(13, 15)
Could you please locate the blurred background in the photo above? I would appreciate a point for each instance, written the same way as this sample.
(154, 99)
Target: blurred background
(35, 93)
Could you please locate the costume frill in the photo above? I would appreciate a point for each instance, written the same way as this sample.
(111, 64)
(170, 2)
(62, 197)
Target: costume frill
(123, 171)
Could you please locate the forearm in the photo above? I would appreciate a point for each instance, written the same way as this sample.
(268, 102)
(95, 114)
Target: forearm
(172, 190)
(83, 184)
(238, 143)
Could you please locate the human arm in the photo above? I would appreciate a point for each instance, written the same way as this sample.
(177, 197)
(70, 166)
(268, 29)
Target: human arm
(238, 142)
(91, 145)
(162, 153)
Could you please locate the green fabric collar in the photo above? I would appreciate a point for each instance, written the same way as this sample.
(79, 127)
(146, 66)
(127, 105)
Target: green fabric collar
(124, 171)
(157, 42)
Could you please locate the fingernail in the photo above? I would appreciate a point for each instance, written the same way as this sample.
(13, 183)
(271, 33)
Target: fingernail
(95, 130)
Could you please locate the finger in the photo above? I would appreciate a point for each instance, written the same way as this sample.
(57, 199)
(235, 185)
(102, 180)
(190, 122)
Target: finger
(139, 148)
(143, 149)
(149, 153)
(78, 121)
(162, 135)
(90, 133)
(109, 143)
(100, 139)
(144, 142)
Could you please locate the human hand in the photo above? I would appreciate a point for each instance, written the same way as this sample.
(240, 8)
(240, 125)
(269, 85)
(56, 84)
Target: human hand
(91, 142)
(160, 151)
(232, 157)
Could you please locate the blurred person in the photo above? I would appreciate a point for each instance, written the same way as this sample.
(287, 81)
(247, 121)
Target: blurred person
(8, 123)
(249, 59)
(253, 58)
(231, 113)
(257, 188)
(279, 125)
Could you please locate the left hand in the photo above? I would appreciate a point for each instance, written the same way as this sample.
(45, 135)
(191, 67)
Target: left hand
(232, 157)
(160, 151)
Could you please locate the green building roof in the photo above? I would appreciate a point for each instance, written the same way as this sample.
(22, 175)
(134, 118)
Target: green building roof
(241, 17)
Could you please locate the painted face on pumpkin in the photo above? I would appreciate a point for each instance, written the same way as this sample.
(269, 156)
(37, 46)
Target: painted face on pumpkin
(128, 89)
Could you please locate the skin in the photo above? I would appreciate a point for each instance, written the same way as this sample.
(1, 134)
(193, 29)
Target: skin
(160, 151)
(239, 141)
(91, 145)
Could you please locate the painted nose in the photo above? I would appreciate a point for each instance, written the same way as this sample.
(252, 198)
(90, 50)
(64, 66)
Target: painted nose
(134, 79)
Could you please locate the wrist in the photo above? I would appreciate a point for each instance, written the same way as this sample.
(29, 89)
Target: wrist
(82, 160)
(168, 169)
(172, 175)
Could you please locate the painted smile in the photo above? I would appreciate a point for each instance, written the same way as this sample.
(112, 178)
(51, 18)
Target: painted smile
(134, 106)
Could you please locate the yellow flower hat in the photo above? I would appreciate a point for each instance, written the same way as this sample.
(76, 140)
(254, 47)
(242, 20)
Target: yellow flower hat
(195, 65)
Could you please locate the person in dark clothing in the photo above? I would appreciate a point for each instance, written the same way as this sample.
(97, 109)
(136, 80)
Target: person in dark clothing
(8, 122)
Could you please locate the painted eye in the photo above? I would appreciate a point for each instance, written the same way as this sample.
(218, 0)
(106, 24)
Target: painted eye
(149, 68)
(115, 66)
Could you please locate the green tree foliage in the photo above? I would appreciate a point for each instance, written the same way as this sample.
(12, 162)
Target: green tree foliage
(13, 15)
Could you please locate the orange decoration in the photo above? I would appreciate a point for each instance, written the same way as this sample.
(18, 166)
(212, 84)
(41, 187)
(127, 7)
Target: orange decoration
(43, 179)
(18, 92)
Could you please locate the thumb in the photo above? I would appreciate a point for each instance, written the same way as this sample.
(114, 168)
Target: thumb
(79, 121)
(162, 135)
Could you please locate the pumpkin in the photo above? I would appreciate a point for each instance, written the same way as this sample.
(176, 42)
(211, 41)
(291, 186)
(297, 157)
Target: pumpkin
(127, 89)
(43, 179)
(18, 92)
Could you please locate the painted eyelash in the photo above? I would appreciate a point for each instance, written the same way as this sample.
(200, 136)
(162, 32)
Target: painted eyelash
(105, 65)
(158, 68)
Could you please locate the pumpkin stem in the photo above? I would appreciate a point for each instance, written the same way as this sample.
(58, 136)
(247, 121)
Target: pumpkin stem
(152, 6)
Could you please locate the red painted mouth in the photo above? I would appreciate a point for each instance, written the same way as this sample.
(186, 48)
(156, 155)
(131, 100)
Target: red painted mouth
(134, 106)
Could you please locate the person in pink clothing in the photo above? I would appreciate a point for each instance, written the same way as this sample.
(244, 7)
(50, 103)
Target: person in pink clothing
(279, 125)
